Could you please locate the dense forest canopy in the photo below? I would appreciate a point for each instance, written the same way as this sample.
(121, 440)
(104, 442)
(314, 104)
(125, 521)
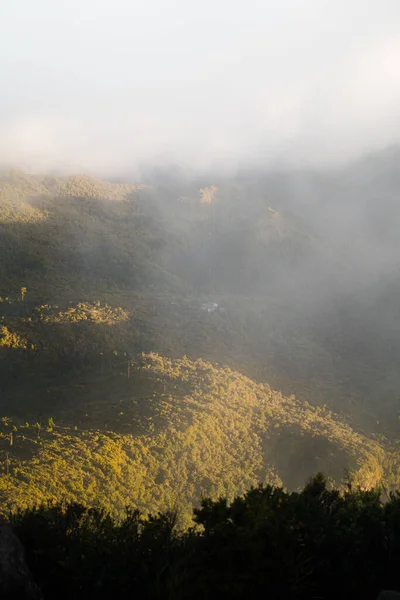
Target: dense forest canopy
(105, 333)
(190, 337)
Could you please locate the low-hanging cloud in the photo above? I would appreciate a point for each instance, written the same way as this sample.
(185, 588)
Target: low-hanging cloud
(107, 86)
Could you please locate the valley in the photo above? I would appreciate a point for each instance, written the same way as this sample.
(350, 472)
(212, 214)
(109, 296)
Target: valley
(118, 388)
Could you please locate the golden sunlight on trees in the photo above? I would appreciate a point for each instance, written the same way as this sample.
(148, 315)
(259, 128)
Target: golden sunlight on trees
(207, 194)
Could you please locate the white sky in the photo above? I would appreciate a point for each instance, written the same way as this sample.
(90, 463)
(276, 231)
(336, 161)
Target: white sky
(101, 85)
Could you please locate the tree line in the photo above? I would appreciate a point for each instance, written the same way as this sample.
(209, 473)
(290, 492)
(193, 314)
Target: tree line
(269, 543)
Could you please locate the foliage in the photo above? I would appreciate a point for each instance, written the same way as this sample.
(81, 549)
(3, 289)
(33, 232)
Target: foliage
(207, 194)
(10, 339)
(177, 430)
(78, 240)
(316, 543)
(114, 271)
(83, 311)
(75, 229)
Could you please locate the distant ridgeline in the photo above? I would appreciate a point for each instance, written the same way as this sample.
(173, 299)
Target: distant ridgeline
(65, 234)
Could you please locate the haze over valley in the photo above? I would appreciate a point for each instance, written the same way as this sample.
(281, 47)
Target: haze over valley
(150, 313)
(200, 299)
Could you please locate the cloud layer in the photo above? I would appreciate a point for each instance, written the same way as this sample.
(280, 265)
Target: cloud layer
(102, 86)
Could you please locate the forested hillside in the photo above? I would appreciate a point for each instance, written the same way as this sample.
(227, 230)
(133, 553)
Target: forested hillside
(118, 387)
(175, 431)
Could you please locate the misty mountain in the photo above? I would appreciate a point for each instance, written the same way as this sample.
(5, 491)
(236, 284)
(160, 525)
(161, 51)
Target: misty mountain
(305, 284)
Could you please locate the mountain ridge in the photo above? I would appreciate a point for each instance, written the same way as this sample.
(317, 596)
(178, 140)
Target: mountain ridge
(93, 274)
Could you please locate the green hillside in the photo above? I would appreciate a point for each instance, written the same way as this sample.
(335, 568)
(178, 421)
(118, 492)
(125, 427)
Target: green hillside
(71, 235)
(175, 431)
(159, 251)
(101, 287)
